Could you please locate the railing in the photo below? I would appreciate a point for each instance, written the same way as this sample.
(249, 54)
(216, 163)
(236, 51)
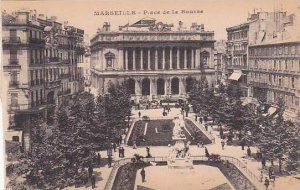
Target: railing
(53, 84)
(243, 168)
(206, 133)
(14, 83)
(240, 166)
(14, 40)
(37, 40)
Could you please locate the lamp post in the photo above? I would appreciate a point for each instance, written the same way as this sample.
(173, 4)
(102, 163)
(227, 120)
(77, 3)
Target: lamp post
(106, 99)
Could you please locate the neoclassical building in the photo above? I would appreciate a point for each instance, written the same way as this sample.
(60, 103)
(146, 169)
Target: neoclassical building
(157, 61)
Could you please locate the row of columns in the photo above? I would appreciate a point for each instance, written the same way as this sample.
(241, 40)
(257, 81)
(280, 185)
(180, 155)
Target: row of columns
(194, 55)
(167, 86)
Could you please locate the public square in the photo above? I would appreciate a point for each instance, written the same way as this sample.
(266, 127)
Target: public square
(158, 173)
(145, 95)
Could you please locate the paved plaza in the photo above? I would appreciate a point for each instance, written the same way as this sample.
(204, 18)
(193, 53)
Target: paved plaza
(162, 178)
(282, 183)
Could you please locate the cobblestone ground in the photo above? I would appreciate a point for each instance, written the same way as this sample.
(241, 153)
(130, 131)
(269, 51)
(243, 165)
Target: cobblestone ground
(282, 183)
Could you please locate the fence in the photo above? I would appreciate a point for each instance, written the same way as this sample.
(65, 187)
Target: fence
(248, 174)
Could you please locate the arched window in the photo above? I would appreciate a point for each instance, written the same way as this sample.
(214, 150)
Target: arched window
(175, 86)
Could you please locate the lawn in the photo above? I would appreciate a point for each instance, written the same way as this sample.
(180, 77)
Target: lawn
(159, 133)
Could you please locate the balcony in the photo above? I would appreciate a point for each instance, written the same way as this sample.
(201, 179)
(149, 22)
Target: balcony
(15, 107)
(13, 84)
(53, 84)
(11, 40)
(36, 41)
(13, 65)
(64, 76)
(259, 84)
(239, 52)
(54, 59)
(242, 67)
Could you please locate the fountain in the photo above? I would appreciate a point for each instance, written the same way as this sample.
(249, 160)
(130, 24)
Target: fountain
(179, 155)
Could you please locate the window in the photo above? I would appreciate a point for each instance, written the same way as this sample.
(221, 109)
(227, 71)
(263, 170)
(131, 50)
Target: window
(15, 138)
(37, 97)
(293, 82)
(14, 100)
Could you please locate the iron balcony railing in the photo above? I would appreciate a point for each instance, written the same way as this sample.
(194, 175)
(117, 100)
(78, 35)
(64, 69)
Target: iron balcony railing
(10, 39)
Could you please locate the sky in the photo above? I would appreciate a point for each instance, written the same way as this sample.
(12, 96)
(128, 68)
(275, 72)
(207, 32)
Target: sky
(216, 15)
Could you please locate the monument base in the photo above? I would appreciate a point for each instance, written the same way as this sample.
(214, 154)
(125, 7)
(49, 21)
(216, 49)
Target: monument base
(180, 163)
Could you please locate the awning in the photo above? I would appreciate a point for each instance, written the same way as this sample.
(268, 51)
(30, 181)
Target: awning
(236, 75)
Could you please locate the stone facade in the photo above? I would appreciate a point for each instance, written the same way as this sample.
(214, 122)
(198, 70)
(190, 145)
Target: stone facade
(40, 68)
(155, 61)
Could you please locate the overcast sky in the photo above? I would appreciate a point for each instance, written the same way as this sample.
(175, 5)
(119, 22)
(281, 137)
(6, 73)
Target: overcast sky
(216, 16)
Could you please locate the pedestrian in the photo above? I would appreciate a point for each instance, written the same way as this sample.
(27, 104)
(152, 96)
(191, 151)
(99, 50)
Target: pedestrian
(99, 159)
(206, 152)
(221, 132)
(243, 144)
(90, 170)
(196, 117)
(140, 114)
(249, 151)
(109, 160)
(271, 172)
(201, 120)
(134, 144)
(263, 162)
(202, 144)
(148, 152)
(206, 127)
(123, 152)
(261, 176)
(93, 180)
(143, 174)
(267, 183)
(120, 150)
(223, 144)
(115, 147)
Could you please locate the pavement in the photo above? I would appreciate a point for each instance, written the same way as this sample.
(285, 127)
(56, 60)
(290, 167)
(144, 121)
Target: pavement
(282, 183)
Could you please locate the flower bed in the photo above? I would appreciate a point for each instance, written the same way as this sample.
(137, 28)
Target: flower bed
(196, 133)
(126, 174)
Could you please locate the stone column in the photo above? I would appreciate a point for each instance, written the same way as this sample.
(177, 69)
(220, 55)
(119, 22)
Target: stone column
(164, 58)
(185, 58)
(182, 86)
(101, 60)
(156, 59)
(197, 58)
(138, 84)
(149, 59)
(133, 59)
(120, 60)
(153, 90)
(192, 59)
(126, 59)
(178, 65)
(171, 64)
(142, 63)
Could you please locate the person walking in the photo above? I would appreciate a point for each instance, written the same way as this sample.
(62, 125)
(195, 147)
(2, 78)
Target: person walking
(90, 170)
(93, 180)
(115, 147)
(139, 114)
(263, 162)
(267, 183)
(261, 176)
(109, 160)
(248, 151)
(99, 159)
(200, 120)
(223, 144)
(148, 152)
(143, 174)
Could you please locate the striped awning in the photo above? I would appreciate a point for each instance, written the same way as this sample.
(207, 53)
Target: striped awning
(236, 75)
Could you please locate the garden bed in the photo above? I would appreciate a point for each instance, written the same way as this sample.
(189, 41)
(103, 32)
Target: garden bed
(196, 133)
(126, 174)
(159, 133)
